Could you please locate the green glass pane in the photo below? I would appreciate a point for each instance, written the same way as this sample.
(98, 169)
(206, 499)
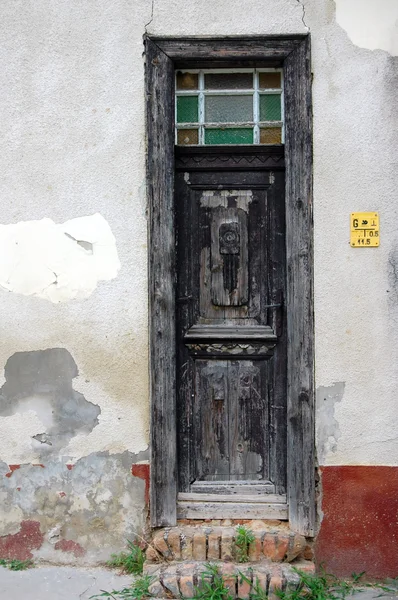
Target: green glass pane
(229, 135)
(270, 107)
(228, 81)
(187, 109)
(228, 109)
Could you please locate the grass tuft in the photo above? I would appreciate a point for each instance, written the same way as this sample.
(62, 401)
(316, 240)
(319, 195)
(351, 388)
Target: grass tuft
(16, 565)
(130, 562)
(319, 587)
(139, 590)
(211, 585)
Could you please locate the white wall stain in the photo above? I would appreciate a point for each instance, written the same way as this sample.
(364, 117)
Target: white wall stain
(371, 24)
(327, 426)
(57, 262)
(16, 433)
(11, 516)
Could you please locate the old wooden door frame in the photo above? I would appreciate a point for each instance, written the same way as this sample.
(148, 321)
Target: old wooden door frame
(163, 55)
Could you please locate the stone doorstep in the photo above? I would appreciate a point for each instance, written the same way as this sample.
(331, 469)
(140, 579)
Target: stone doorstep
(208, 542)
(178, 580)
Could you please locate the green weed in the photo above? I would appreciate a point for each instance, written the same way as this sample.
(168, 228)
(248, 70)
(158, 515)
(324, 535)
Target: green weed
(257, 591)
(244, 537)
(319, 587)
(131, 562)
(16, 565)
(211, 585)
(139, 590)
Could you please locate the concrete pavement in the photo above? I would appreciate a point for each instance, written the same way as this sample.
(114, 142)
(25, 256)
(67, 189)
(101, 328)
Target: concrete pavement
(70, 583)
(59, 583)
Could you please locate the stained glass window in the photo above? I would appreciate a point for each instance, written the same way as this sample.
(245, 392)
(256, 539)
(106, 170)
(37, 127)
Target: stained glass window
(229, 107)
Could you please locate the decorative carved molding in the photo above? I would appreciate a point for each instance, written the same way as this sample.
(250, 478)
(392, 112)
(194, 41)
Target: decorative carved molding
(253, 157)
(235, 349)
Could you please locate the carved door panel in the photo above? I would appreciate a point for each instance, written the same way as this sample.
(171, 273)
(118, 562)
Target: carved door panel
(231, 334)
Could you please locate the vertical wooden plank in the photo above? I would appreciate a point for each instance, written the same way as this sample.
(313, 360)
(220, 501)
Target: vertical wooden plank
(299, 226)
(276, 271)
(186, 210)
(210, 420)
(160, 179)
(248, 420)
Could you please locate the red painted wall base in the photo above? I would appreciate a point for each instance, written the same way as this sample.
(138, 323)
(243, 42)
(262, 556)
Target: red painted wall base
(359, 528)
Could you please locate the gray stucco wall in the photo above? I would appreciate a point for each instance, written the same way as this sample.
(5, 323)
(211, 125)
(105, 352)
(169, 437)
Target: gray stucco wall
(73, 289)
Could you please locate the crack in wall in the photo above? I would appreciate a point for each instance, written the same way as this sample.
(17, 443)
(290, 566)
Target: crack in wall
(303, 14)
(151, 18)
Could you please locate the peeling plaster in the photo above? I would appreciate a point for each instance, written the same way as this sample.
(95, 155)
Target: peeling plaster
(41, 411)
(371, 24)
(57, 262)
(214, 199)
(327, 427)
(112, 508)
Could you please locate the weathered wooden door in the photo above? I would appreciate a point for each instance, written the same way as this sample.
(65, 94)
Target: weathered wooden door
(231, 332)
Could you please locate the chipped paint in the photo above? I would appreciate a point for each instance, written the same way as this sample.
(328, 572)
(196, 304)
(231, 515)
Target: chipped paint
(213, 199)
(327, 427)
(22, 544)
(57, 262)
(70, 546)
(39, 409)
(83, 513)
(142, 470)
(377, 27)
(12, 469)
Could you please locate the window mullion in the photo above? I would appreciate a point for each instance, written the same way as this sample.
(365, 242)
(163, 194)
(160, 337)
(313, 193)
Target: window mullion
(201, 108)
(256, 111)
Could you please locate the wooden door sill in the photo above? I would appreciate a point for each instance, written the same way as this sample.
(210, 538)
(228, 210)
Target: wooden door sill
(233, 506)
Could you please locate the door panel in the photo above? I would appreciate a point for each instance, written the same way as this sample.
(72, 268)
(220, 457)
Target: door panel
(231, 333)
(230, 423)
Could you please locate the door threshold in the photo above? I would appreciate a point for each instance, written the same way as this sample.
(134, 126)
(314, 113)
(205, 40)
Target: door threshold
(235, 506)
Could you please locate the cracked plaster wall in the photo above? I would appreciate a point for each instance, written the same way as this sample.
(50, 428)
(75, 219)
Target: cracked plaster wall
(73, 144)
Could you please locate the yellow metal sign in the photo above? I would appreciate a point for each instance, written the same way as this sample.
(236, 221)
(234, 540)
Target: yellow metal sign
(364, 229)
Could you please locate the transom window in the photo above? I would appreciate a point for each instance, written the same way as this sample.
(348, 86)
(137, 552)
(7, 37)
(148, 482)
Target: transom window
(244, 106)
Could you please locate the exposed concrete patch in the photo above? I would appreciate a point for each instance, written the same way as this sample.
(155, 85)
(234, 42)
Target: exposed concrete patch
(57, 262)
(42, 410)
(82, 513)
(377, 27)
(327, 427)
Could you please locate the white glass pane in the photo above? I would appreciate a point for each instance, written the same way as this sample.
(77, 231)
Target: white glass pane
(228, 109)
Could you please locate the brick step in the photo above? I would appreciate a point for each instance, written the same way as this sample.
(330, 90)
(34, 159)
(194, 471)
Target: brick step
(179, 580)
(207, 542)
